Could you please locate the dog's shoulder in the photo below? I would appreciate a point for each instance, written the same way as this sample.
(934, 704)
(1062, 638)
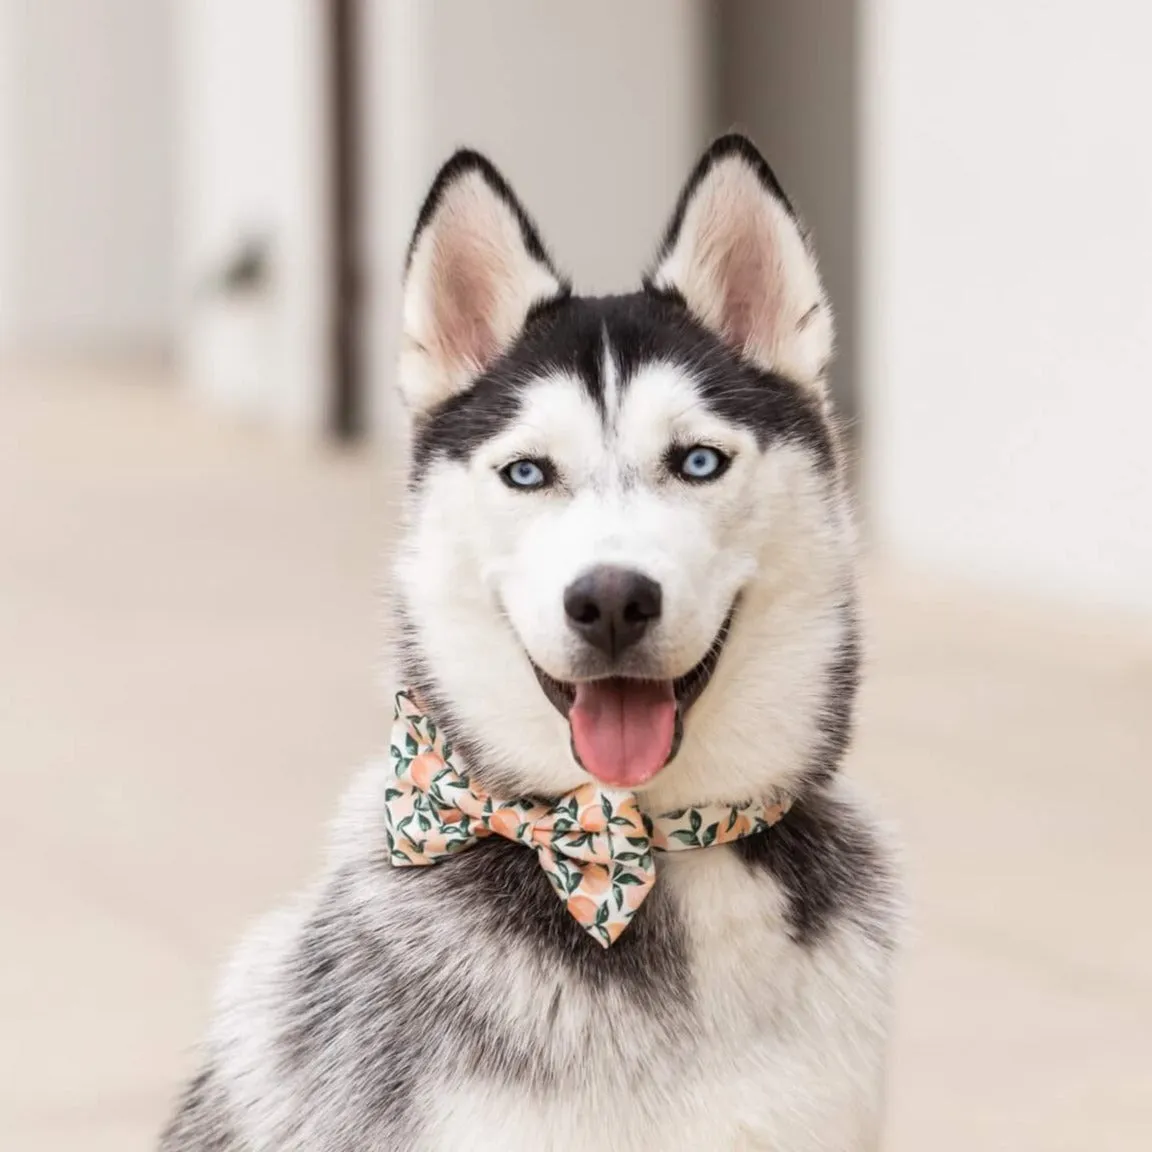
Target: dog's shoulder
(834, 865)
(806, 911)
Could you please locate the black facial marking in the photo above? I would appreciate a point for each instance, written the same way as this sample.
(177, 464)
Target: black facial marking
(562, 337)
(830, 866)
(652, 327)
(567, 337)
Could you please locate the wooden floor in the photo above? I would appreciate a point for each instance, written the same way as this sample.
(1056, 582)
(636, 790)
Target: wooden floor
(189, 631)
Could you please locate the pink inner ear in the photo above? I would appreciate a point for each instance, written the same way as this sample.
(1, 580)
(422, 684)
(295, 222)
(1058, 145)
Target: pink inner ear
(751, 291)
(464, 291)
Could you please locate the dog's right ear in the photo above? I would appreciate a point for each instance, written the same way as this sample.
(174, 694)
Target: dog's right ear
(476, 268)
(736, 254)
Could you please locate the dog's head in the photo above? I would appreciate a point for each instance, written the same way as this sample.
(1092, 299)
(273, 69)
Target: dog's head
(627, 551)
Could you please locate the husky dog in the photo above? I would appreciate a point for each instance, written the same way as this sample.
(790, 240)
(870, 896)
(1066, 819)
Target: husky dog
(628, 560)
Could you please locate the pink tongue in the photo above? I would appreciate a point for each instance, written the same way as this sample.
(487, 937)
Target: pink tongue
(623, 729)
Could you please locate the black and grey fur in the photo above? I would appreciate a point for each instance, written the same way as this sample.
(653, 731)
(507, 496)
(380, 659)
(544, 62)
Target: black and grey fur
(461, 1006)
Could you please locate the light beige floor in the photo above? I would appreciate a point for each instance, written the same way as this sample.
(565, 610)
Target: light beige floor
(188, 628)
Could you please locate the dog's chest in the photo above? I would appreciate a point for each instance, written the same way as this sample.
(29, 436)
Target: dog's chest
(765, 1044)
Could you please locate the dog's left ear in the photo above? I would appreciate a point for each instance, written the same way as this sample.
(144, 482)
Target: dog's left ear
(476, 269)
(736, 254)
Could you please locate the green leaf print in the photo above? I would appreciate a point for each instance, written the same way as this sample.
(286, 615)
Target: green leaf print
(695, 820)
(392, 793)
(709, 835)
(618, 892)
(628, 878)
(410, 745)
(606, 807)
(602, 913)
(685, 837)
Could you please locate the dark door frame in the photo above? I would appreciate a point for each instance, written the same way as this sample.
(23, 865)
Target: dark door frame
(346, 407)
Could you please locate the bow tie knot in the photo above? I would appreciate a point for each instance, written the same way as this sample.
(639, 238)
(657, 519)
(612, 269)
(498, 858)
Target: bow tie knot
(595, 845)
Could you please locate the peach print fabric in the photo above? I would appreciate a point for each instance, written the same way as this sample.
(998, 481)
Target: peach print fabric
(595, 845)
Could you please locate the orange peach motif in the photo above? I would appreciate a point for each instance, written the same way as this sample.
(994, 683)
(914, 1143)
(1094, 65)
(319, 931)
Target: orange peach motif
(593, 819)
(595, 879)
(504, 822)
(583, 909)
(423, 768)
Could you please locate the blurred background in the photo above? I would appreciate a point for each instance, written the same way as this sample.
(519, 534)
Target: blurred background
(203, 210)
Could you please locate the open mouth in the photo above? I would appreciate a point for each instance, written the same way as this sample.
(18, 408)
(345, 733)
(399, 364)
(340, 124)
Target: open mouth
(625, 729)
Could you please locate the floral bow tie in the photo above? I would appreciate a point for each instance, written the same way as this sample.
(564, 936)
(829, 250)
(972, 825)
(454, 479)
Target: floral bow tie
(595, 845)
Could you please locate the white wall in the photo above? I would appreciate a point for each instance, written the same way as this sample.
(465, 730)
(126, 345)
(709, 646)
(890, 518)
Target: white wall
(251, 136)
(85, 174)
(1008, 297)
(594, 111)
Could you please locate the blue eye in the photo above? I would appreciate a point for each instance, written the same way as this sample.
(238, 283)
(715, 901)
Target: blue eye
(525, 474)
(702, 463)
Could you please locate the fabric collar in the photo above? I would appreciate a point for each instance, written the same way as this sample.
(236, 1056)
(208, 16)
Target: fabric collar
(594, 844)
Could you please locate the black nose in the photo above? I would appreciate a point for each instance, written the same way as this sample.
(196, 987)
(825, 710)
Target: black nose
(612, 607)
